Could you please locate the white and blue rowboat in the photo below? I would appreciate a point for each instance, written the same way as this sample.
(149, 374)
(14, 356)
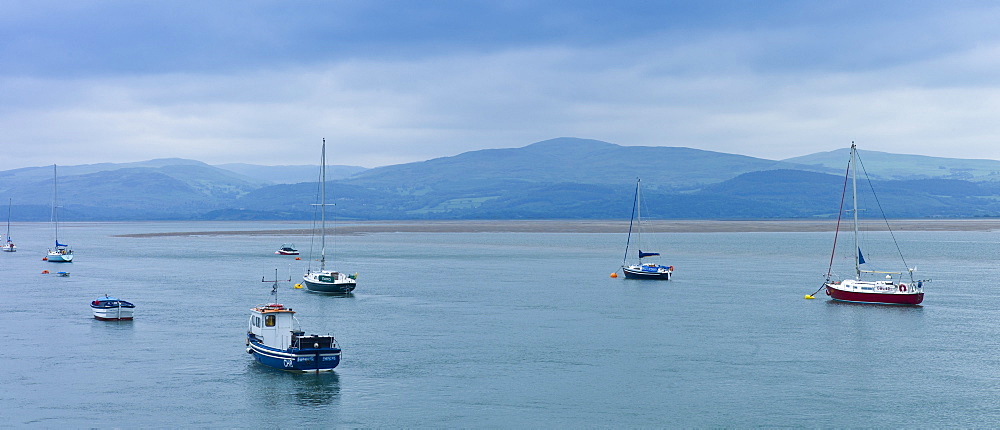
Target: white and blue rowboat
(111, 309)
(274, 341)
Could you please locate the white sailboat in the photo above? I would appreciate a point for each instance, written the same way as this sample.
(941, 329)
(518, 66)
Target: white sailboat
(642, 270)
(890, 290)
(323, 280)
(61, 253)
(9, 245)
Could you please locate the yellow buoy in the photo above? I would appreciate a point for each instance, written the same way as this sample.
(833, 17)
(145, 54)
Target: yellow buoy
(809, 296)
(614, 274)
(298, 285)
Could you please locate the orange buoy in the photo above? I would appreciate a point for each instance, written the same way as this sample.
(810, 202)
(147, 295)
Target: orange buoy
(45, 272)
(45, 258)
(297, 258)
(614, 274)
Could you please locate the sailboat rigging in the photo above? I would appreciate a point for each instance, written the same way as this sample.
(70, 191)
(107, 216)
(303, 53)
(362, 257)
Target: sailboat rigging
(61, 253)
(641, 270)
(9, 245)
(890, 290)
(323, 280)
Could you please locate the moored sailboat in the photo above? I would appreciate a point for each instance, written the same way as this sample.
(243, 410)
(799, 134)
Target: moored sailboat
(9, 246)
(61, 253)
(641, 270)
(892, 289)
(324, 280)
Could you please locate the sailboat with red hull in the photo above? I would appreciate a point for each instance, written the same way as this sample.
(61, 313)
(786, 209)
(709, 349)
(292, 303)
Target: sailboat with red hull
(891, 289)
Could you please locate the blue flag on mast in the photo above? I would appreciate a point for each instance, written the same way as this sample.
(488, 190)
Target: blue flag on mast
(861, 258)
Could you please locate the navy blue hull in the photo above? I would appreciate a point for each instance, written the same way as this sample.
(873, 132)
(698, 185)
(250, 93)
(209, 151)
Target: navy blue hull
(632, 274)
(330, 287)
(301, 360)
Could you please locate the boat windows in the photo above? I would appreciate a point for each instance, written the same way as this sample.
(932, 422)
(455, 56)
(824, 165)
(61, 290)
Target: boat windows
(269, 320)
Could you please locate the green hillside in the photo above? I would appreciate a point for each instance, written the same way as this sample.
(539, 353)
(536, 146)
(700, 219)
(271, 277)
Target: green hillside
(567, 160)
(563, 178)
(884, 165)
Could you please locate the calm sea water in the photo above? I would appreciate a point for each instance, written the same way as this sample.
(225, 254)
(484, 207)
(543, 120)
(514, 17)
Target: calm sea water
(496, 330)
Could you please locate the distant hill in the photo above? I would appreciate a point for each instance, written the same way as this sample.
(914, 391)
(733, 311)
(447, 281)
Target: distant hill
(568, 160)
(290, 174)
(801, 194)
(883, 165)
(564, 178)
(148, 190)
(42, 173)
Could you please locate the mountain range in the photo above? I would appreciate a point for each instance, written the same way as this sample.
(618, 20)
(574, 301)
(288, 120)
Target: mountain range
(563, 178)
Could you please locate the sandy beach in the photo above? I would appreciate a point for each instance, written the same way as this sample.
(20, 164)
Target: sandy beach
(603, 226)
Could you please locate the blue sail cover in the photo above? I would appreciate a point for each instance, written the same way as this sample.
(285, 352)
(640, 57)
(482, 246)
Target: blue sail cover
(59, 244)
(861, 258)
(647, 254)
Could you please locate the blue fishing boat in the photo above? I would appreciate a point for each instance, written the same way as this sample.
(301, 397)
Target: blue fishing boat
(641, 270)
(274, 339)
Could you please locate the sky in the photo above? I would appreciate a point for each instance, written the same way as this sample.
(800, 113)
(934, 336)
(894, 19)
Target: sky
(388, 82)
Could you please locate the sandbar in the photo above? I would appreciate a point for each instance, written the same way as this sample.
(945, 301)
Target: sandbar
(601, 226)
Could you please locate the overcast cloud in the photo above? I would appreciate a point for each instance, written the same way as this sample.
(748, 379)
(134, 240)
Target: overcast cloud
(391, 82)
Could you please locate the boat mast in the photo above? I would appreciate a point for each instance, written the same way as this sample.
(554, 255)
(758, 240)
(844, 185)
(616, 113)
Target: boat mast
(322, 208)
(9, 202)
(55, 215)
(854, 186)
(638, 219)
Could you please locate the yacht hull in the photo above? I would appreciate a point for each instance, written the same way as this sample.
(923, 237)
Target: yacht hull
(60, 258)
(634, 272)
(330, 287)
(329, 282)
(906, 298)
